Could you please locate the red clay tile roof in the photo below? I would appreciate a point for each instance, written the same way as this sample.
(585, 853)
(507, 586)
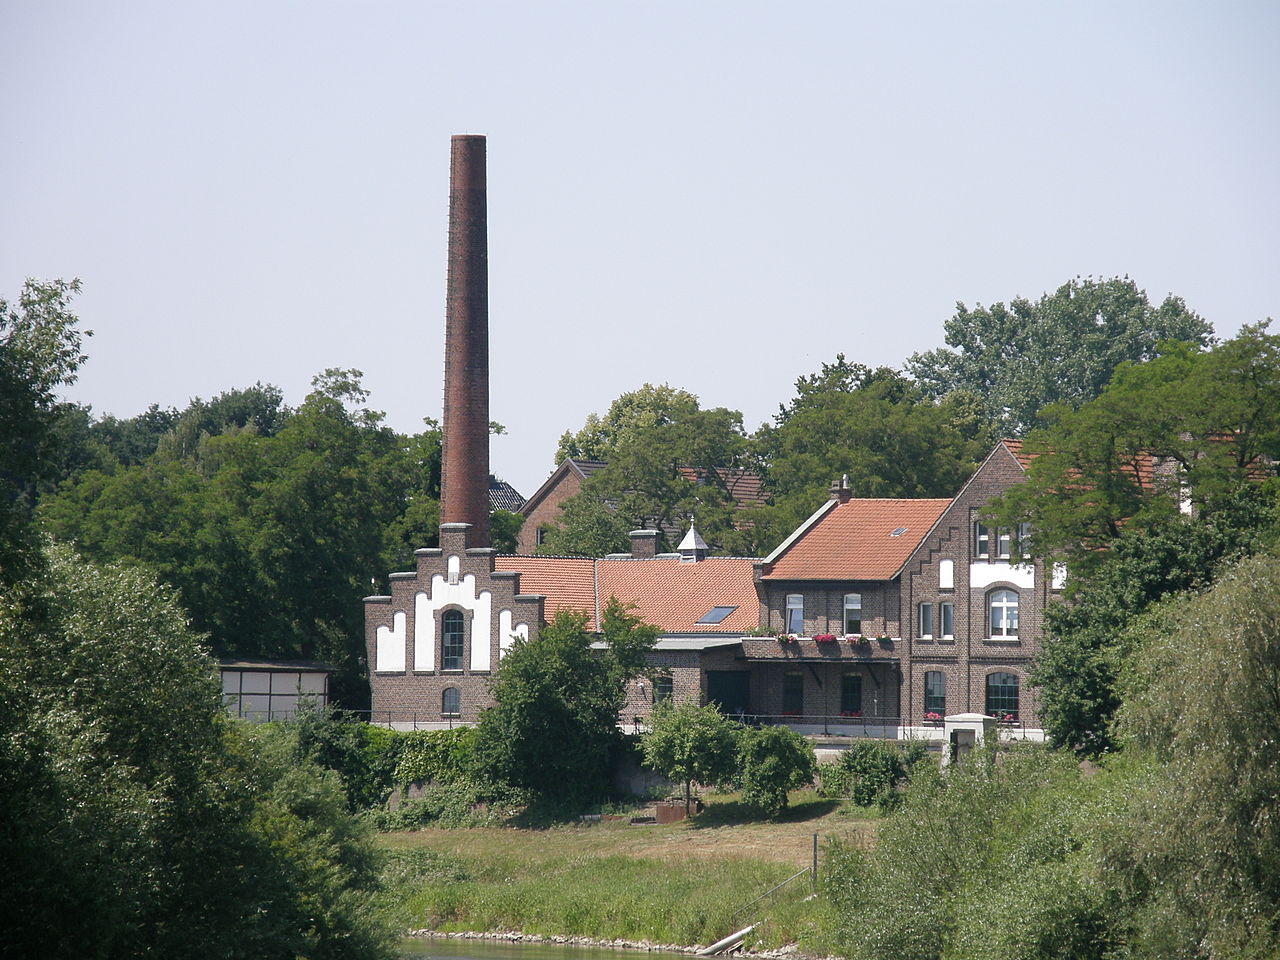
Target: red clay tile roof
(855, 541)
(742, 485)
(1015, 447)
(568, 583)
(675, 595)
(666, 592)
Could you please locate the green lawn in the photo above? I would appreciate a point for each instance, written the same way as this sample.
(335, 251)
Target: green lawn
(681, 883)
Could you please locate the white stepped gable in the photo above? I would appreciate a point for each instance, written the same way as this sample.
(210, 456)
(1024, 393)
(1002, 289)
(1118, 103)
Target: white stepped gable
(461, 592)
(507, 633)
(391, 644)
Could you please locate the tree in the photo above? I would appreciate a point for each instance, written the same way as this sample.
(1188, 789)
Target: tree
(1063, 347)
(1086, 638)
(636, 412)
(689, 743)
(554, 722)
(1202, 692)
(40, 351)
(871, 425)
(665, 463)
(1187, 427)
(772, 761)
(136, 818)
(270, 537)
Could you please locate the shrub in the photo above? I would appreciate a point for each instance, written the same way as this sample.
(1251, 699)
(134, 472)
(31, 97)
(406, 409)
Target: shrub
(439, 756)
(460, 803)
(771, 761)
(870, 771)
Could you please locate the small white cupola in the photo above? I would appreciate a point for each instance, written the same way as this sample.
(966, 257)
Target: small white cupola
(692, 548)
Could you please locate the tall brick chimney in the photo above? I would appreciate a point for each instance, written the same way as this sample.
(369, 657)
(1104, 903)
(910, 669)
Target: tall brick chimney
(464, 471)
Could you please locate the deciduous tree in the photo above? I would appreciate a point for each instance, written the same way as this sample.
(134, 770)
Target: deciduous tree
(1063, 347)
(688, 744)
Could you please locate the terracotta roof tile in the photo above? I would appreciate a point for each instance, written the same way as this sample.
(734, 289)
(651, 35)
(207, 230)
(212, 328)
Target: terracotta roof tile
(568, 583)
(675, 595)
(856, 541)
(671, 594)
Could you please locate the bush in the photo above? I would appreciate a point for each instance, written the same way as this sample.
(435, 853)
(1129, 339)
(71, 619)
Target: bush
(436, 756)
(461, 803)
(771, 761)
(870, 771)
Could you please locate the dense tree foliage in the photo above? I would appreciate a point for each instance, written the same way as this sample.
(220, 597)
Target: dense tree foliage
(554, 723)
(689, 744)
(40, 351)
(1028, 354)
(137, 820)
(666, 459)
(873, 426)
(1085, 641)
(1186, 428)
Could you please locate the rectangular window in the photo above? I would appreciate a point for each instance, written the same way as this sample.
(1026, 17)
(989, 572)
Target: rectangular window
(795, 614)
(852, 613)
(663, 688)
(947, 620)
(981, 540)
(793, 694)
(1003, 541)
(851, 695)
(926, 621)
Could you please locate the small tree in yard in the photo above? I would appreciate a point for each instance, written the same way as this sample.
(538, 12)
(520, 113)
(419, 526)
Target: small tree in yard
(771, 761)
(690, 743)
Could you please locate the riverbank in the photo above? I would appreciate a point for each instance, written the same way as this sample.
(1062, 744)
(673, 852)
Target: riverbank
(607, 883)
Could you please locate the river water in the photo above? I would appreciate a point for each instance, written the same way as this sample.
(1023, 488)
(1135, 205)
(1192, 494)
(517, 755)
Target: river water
(449, 949)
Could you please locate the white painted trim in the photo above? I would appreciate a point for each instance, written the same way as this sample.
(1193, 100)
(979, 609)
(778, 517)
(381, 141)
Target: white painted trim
(983, 574)
(390, 645)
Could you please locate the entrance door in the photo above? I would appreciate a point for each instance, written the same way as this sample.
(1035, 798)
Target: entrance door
(730, 690)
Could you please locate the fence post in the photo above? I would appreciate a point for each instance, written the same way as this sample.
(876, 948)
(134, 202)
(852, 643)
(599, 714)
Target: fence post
(815, 863)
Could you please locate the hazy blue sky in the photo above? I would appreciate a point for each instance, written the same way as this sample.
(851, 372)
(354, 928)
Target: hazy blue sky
(716, 195)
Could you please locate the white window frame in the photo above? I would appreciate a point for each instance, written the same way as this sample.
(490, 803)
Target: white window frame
(926, 621)
(947, 620)
(981, 541)
(1002, 613)
(793, 622)
(852, 601)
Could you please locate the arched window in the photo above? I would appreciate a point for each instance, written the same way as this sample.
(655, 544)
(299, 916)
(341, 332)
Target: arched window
(852, 613)
(935, 692)
(795, 613)
(451, 702)
(451, 629)
(1004, 613)
(1002, 696)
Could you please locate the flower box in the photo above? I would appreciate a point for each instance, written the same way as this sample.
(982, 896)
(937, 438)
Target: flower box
(933, 717)
(851, 714)
(825, 637)
(860, 640)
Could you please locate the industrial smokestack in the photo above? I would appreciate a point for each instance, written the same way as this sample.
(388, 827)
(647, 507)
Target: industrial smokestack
(464, 473)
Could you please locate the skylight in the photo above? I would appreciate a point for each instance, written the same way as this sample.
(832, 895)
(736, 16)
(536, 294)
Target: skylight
(897, 532)
(716, 614)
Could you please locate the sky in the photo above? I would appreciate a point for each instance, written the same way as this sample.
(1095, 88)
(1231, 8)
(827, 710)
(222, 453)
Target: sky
(721, 196)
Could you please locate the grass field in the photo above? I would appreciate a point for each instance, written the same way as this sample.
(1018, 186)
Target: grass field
(681, 883)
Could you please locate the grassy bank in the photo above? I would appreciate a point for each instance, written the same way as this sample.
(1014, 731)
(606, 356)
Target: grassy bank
(682, 883)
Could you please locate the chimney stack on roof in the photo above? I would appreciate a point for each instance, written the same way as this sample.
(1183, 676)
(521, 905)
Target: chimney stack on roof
(644, 544)
(464, 471)
(840, 489)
